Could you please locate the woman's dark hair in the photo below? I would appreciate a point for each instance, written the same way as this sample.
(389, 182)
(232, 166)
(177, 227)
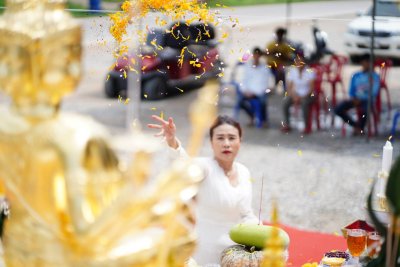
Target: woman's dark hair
(223, 119)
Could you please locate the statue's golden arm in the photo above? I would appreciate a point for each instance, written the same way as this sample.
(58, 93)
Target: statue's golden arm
(134, 210)
(131, 213)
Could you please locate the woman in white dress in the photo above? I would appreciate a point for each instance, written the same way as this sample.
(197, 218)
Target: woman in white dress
(225, 194)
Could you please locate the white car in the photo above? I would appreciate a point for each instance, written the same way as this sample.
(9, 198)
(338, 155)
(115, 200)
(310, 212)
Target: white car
(387, 32)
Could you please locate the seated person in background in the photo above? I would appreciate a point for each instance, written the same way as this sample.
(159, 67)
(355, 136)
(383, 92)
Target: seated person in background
(299, 91)
(359, 91)
(254, 85)
(279, 55)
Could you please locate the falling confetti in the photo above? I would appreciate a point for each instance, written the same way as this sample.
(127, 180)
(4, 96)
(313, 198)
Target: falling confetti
(181, 57)
(154, 43)
(177, 10)
(199, 76)
(300, 153)
(174, 9)
(181, 90)
(224, 36)
(162, 115)
(310, 264)
(195, 63)
(149, 30)
(245, 56)
(376, 155)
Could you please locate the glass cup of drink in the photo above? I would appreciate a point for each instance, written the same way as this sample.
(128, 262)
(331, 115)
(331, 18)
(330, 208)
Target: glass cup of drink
(373, 244)
(356, 243)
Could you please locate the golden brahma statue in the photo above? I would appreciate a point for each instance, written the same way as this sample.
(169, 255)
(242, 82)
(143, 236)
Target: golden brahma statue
(71, 202)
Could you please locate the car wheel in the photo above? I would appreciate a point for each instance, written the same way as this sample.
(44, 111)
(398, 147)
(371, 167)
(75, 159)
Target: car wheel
(110, 89)
(154, 89)
(115, 85)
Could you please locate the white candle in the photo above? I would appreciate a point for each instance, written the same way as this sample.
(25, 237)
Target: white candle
(387, 157)
(381, 184)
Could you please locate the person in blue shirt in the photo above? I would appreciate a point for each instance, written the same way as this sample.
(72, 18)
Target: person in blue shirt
(359, 93)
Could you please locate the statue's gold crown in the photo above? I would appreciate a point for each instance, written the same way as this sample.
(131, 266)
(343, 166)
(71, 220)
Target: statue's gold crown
(39, 54)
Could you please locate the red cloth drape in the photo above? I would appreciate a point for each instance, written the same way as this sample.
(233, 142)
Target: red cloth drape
(308, 246)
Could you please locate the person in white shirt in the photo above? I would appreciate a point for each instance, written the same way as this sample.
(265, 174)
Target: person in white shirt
(254, 85)
(225, 194)
(300, 89)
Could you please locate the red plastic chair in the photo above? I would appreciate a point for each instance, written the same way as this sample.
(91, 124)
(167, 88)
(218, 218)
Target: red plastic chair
(334, 69)
(384, 65)
(319, 95)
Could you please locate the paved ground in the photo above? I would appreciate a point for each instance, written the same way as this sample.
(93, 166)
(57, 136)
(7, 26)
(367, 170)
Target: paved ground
(320, 180)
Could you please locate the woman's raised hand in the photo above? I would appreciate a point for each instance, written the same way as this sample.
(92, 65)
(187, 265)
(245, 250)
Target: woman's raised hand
(167, 129)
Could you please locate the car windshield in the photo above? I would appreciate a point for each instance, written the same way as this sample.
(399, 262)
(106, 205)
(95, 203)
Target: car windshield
(386, 9)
